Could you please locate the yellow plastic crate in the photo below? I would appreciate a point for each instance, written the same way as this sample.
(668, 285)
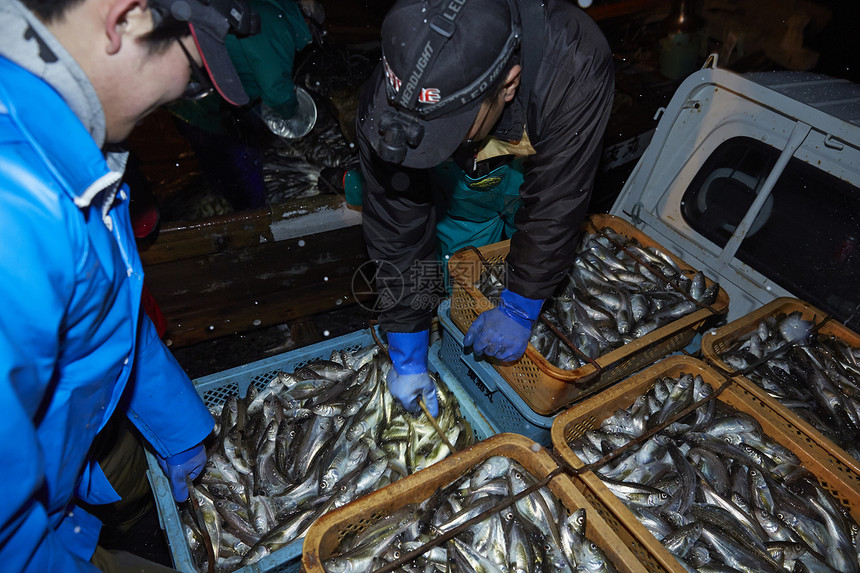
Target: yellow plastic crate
(544, 387)
(326, 534)
(833, 476)
(716, 342)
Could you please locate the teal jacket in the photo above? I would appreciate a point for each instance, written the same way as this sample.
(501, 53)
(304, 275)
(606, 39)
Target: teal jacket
(264, 62)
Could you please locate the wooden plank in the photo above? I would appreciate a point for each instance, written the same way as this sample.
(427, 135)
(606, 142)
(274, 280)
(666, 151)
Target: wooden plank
(184, 240)
(183, 303)
(275, 267)
(218, 234)
(223, 293)
(303, 332)
(244, 315)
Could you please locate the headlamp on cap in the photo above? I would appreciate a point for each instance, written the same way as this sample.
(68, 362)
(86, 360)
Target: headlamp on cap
(402, 126)
(241, 20)
(398, 130)
(209, 22)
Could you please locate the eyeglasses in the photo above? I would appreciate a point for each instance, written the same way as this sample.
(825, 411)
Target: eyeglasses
(199, 85)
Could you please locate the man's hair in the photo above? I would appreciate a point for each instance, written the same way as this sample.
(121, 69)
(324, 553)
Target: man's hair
(50, 10)
(166, 28)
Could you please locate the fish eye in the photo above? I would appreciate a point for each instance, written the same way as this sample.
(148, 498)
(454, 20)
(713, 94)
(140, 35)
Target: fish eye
(323, 484)
(580, 520)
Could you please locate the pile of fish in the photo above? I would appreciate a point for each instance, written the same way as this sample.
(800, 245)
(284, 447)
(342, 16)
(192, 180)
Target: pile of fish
(333, 74)
(310, 441)
(291, 168)
(537, 533)
(198, 206)
(716, 490)
(610, 297)
(818, 377)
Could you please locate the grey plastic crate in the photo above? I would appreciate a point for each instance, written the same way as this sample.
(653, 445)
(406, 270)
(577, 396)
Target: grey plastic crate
(500, 402)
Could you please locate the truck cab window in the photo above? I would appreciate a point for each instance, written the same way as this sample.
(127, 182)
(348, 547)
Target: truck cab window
(807, 235)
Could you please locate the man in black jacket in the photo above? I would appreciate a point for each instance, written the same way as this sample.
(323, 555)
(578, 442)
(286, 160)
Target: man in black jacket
(475, 92)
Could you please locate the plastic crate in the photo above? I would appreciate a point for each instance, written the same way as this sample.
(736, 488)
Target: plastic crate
(716, 342)
(498, 400)
(573, 423)
(546, 388)
(326, 533)
(216, 388)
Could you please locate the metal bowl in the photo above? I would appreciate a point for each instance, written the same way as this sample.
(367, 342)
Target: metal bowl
(300, 124)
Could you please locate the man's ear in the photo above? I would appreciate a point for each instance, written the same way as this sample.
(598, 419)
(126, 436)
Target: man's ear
(512, 81)
(121, 18)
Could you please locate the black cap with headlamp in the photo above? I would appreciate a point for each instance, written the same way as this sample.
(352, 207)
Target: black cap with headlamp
(441, 60)
(210, 21)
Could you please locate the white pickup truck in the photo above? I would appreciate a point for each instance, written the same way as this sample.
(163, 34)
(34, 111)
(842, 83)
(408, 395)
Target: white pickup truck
(755, 179)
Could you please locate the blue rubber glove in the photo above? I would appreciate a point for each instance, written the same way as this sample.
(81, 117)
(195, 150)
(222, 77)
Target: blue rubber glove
(409, 379)
(503, 332)
(179, 467)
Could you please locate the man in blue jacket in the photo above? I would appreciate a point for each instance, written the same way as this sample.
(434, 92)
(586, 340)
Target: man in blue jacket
(75, 78)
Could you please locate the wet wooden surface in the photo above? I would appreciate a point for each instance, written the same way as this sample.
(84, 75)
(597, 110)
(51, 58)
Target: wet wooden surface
(231, 290)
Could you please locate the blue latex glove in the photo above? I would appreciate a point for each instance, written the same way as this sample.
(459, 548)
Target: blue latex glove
(409, 379)
(179, 467)
(503, 332)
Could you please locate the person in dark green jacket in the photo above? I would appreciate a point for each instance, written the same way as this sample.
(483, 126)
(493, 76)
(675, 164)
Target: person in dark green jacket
(265, 60)
(229, 143)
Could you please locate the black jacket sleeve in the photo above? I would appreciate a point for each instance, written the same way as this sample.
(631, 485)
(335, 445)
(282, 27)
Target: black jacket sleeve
(567, 116)
(398, 220)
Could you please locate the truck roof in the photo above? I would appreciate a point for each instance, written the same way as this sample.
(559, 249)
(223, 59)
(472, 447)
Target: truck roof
(833, 96)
